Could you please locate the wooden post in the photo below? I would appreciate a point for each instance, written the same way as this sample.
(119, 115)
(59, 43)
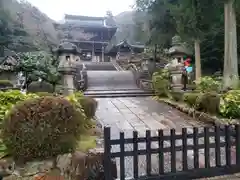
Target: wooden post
(102, 48)
(93, 52)
(102, 53)
(107, 153)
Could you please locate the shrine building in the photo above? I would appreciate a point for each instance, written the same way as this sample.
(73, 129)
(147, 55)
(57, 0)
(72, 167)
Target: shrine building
(91, 34)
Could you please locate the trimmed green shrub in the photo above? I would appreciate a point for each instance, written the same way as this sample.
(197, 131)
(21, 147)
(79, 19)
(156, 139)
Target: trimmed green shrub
(42, 128)
(161, 83)
(164, 73)
(190, 98)
(36, 86)
(8, 99)
(208, 84)
(230, 104)
(88, 104)
(208, 102)
(5, 83)
(176, 96)
(161, 87)
(75, 100)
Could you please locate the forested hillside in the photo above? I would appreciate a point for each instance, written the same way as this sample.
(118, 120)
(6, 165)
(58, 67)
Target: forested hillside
(211, 27)
(131, 25)
(20, 21)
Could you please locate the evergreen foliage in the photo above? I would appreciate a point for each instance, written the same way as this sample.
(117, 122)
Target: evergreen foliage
(192, 19)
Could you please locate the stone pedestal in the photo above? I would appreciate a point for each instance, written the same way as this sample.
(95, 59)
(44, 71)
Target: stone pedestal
(68, 84)
(176, 77)
(176, 83)
(68, 76)
(101, 59)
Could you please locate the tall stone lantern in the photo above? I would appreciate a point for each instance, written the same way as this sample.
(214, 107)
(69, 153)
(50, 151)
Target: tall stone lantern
(176, 66)
(148, 64)
(68, 59)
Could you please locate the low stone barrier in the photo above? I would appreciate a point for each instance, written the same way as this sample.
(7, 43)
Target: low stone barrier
(201, 116)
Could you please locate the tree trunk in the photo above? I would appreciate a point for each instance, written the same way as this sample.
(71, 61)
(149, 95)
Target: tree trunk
(230, 74)
(1, 50)
(226, 72)
(197, 60)
(234, 47)
(155, 52)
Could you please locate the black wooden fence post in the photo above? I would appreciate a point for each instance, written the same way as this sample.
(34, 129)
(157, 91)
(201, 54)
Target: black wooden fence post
(213, 138)
(107, 154)
(237, 129)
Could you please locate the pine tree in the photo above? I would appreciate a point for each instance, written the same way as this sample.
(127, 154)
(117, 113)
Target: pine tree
(194, 20)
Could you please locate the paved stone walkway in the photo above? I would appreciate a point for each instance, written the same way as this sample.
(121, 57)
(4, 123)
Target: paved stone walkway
(133, 113)
(141, 114)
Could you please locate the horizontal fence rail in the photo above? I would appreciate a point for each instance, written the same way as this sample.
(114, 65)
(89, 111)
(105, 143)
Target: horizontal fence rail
(224, 143)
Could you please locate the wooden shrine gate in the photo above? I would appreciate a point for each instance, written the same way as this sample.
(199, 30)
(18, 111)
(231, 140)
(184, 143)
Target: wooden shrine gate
(221, 153)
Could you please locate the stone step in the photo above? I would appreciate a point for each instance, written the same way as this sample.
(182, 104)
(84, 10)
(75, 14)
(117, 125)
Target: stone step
(130, 93)
(117, 95)
(100, 66)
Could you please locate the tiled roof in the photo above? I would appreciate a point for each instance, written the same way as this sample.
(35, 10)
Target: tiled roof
(75, 17)
(82, 25)
(8, 53)
(130, 45)
(113, 48)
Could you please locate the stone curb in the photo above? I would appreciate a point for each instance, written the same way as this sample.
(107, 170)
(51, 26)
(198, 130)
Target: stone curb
(201, 116)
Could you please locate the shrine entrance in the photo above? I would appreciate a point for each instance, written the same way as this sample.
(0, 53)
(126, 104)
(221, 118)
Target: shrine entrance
(151, 140)
(106, 80)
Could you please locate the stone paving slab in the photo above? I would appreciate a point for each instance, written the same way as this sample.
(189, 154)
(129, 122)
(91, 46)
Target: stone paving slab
(141, 114)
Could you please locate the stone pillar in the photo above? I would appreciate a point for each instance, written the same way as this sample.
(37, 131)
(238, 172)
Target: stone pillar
(68, 84)
(94, 59)
(93, 50)
(100, 59)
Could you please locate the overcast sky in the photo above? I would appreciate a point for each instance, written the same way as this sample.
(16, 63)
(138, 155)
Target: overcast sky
(56, 9)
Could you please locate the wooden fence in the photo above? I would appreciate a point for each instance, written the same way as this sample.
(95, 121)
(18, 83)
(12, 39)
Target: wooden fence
(225, 143)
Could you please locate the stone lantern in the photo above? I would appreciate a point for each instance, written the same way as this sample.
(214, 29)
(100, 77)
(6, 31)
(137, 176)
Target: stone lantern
(148, 64)
(176, 66)
(68, 59)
